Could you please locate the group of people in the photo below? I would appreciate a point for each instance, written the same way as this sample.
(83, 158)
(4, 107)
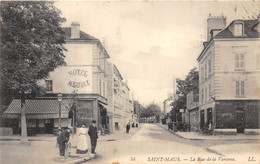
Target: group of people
(133, 125)
(63, 140)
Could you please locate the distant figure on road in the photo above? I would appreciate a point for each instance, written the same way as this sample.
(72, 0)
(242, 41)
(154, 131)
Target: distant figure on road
(82, 146)
(62, 139)
(136, 125)
(133, 125)
(92, 132)
(127, 128)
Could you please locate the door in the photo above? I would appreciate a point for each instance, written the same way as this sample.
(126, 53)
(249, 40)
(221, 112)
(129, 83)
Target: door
(202, 121)
(240, 121)
(49, 125)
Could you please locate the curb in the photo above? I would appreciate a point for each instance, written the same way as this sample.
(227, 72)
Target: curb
(204, 139)
(128, 136)
(83, 159)
(213, 151)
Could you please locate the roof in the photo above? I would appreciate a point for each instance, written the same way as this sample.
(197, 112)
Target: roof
(249, 30)
(83, 35)
(38, 106)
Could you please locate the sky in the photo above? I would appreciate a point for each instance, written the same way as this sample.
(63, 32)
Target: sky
(154, 41)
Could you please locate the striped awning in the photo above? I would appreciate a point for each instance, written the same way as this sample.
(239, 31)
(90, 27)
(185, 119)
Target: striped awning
(38, 108)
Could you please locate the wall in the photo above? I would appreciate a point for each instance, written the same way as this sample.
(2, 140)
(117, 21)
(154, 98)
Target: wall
(99, 71)
(77, 74)
(226, 75)
(194, 120)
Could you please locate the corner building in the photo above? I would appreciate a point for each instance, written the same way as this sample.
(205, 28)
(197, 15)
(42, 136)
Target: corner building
(82, 83)
(229, 71)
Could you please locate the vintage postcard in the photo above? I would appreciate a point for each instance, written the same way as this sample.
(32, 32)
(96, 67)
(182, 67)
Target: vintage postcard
(130, 82)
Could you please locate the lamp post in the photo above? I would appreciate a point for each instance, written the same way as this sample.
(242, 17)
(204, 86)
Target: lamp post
(59, 97)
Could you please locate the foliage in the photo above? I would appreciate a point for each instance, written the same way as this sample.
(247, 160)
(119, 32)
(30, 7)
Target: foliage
(32, 43)
(31, 46)
(191, 83)
(151, 110)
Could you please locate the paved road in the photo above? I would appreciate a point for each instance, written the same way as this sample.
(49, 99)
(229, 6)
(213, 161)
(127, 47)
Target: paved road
(153, 144)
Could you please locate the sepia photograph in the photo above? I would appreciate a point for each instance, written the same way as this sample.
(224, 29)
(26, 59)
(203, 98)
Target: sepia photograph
(130, 82)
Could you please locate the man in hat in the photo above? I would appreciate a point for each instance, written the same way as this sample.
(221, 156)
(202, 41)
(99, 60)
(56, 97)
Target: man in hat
(62, 139)
(92, 132)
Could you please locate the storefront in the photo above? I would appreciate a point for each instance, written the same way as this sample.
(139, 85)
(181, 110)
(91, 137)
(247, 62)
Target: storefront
(42, 116)
(239, 116)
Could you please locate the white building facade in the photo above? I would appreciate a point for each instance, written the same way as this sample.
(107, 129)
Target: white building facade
(230, 77)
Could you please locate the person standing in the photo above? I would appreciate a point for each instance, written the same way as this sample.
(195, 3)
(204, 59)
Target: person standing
(82, 146)
(127, 128)
(62, 139)
(92, 132)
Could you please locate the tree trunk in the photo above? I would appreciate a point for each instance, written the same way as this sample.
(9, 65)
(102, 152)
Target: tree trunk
(23, 120)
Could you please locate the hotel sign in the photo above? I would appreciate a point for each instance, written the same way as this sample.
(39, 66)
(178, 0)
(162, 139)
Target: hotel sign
(80, 73)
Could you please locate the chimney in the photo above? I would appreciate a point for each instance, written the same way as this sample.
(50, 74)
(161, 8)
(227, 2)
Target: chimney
(75, 32)
(205, 44)
(215, 23)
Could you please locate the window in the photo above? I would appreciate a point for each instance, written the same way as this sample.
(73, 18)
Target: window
(202, 98)
(104, 89)
(210, 92)
(240, 88)
(100, 87)
(240, 61)
(209, 67)
(205, 71)
(48, 85)
(238, 29)
(206, 94)
(202, 73)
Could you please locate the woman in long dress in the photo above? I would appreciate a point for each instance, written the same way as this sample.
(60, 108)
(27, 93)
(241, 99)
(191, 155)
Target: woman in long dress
(82, 147)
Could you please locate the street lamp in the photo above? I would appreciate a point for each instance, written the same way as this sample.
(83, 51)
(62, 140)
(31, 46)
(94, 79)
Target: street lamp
(59, 97)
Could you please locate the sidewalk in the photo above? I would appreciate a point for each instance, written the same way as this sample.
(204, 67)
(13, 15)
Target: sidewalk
(199, 136)
(43, 148)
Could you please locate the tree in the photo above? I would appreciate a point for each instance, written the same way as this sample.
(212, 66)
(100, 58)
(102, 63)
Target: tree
(32, 46)
(191, 83)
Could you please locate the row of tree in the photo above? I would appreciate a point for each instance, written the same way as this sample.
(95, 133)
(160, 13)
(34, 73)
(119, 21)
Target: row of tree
(152, 110)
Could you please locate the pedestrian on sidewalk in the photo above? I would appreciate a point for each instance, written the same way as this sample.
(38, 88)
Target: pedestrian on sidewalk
(62, 139)
(92, 132)
(127, 128)
(68, 144)
(82, 146)
(136, 124)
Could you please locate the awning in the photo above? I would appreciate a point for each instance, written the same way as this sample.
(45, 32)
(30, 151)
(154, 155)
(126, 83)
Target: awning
(110, 110)
(38, 109)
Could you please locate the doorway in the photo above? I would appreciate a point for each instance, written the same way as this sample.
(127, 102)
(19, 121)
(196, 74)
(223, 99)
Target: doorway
(49, 126)
(202, 120)
(240, 121)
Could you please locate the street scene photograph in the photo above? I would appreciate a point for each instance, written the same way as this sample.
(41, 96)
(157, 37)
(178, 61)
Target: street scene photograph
(130, 82)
